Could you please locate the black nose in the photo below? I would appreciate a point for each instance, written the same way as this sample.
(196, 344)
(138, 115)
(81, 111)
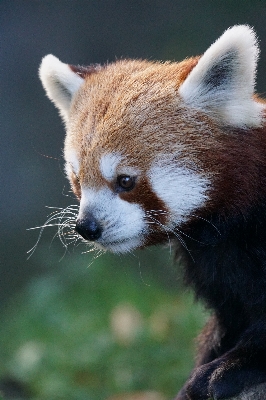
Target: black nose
(88, 228)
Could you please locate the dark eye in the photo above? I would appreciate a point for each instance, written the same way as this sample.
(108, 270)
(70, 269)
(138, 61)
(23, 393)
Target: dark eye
(125, 182)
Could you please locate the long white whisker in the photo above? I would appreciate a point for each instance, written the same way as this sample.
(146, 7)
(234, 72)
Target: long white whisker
(181, 232)
(64, 219)
(167, 230)
(162, 226)
(209, 222)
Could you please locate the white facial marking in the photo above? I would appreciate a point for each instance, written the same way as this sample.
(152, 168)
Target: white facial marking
(122, 222)
(108, 165)
(72, 163)
(110, 168)
(181, 189)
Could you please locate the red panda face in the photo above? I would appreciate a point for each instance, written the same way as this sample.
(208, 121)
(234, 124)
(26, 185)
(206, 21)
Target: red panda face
(126, 207)
(151, 146)
(131, 172)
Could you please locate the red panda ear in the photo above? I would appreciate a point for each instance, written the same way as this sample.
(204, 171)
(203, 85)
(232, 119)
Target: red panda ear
(60, 82)
(222, 83)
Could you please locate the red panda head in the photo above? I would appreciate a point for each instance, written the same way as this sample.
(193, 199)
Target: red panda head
(147, 142)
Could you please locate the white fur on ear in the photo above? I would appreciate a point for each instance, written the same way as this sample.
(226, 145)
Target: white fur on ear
(222, 83)
(59, 82)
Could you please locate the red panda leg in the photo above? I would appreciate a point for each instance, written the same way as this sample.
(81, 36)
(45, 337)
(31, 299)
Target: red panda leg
(232, 373)
(208, 343)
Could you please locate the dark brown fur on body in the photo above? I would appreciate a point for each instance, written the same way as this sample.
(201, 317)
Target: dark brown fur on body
(227, 270)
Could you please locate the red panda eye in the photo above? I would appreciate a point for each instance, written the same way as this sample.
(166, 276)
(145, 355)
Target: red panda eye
(125, 182)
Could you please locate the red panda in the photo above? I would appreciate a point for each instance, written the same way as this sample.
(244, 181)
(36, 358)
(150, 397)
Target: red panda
(157, 151)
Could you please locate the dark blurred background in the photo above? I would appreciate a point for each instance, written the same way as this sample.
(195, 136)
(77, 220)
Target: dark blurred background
(32, 134)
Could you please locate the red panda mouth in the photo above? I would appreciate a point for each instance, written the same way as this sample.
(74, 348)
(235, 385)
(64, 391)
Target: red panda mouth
(121, 246)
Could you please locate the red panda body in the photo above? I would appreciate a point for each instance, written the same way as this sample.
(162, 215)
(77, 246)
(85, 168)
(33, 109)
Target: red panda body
(160, 151)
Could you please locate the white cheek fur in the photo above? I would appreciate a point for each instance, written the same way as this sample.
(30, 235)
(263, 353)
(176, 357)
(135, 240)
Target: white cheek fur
(182, 190)
(123, 223)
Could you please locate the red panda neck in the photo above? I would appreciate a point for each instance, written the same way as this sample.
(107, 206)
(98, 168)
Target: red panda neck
(226, 265)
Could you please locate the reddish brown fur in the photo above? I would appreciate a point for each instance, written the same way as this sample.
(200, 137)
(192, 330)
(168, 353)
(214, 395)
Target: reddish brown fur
(147, 92)
(117, 108)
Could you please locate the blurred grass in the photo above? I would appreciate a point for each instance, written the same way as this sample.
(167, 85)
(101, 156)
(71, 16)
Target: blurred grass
(91, 333)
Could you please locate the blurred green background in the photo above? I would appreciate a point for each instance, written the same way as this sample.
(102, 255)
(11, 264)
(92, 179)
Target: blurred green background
(74, 327)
